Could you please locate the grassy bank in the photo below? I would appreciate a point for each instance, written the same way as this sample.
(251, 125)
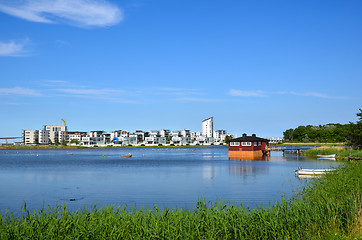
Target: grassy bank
(329, 207)
(342, 152)
(312, 144)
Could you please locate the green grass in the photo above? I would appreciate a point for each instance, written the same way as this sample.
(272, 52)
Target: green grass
(339, 151)
(327, 208)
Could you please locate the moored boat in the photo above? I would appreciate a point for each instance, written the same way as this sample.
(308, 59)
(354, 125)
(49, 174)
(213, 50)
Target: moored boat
(127, 155)
(301, 171)
(327, 156)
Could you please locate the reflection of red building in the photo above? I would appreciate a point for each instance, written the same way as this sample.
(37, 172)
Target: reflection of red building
(246, 147)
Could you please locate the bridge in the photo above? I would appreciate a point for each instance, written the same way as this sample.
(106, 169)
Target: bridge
(8, 138)
(297, 149)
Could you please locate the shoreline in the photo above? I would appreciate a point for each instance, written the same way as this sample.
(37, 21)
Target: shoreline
(99, 147)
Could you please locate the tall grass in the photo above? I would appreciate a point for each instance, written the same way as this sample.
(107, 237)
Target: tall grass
(339, 151)
(326, 208)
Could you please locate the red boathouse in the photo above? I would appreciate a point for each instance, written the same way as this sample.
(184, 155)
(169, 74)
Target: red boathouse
(248, 147)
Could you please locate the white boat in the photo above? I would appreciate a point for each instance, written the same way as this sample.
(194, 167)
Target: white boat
(301, 171)
(327, 156)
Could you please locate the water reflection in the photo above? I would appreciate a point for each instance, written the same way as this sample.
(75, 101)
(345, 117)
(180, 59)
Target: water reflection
(247, 170)
(251, 158)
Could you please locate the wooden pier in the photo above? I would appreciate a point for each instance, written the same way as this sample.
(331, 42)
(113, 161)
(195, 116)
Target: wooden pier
(290, 149)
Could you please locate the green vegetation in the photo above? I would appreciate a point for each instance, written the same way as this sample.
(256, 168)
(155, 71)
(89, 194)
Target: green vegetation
(330, 133)
(327, 208)
(76, 141)
(342, 152)
(228, 138)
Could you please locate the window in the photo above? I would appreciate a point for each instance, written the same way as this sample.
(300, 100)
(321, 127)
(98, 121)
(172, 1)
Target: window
(246, 144)
(234, 144)
(255, 143)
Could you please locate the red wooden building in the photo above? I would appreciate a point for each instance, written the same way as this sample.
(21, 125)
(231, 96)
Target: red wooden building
(246, 147)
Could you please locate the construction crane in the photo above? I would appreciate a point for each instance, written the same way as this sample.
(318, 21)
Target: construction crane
(63, 120)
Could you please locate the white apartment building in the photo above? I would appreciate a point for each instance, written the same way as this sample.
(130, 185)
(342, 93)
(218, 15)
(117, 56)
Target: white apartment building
(31, 136)
(207, 127)
(43, 137)
(56, 133)
(164, 133)
(219, 135)
(185, 133)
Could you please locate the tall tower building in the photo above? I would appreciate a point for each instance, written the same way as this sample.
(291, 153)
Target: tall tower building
(207, 127)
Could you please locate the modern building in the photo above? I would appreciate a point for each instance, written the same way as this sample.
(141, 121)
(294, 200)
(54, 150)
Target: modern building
(248, 147)
(207, 127)
(31, 136)
(56, 133)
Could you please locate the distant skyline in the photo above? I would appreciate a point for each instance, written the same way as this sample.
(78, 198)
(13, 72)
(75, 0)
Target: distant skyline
(255, 66)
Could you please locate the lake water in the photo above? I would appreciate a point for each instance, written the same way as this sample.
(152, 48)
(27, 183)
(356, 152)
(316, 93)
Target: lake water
(169, 177)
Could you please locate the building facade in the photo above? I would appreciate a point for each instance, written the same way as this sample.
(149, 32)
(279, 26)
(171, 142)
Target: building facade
(207, 127)
(248, 147)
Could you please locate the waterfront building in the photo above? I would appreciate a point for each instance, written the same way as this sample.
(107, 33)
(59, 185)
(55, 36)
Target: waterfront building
(219, 135)
(185, 133)
(77, 135)
(56, 134)
(96, 133)
(248, 147)
(31, 136)
(186, 141)
(153, 133)
(43, 137)
(195, 134)
(207, 127)
(151, 140)
(165, 133)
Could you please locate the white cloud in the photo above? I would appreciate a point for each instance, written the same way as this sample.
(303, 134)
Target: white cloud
(205, 100)
(13, 48)
(179, 91)
(19, 91)
(84, 13)
(80, 91)
(243, 93)
(308, 94)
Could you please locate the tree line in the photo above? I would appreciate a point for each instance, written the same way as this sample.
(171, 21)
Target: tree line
(350, 133)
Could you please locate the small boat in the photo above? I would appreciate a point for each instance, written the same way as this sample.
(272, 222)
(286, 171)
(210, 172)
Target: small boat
(127, 155)
(327, 156)
(70, 153)
(301, 171)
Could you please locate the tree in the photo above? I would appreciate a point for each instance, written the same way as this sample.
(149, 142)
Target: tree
(64, 143)
(228, 138)
(356, 132)
(76, 141)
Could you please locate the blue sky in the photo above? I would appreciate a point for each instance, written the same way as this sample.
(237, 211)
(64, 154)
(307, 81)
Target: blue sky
(255, 66)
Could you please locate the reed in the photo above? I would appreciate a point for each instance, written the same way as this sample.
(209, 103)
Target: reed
(339, 151)
(326, 208)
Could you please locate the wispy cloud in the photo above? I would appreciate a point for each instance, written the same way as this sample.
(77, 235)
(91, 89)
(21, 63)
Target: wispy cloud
(179, 91)
(19, 91)
(107, 95)
(307, 94)
(13, 48)
(202, 100)
(83, 13)
(243, 93)
(92, 92)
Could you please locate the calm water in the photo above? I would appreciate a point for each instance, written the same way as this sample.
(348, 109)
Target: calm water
(176, 177)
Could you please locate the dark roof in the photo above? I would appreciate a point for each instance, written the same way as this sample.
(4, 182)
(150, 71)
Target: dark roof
(252, 138)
